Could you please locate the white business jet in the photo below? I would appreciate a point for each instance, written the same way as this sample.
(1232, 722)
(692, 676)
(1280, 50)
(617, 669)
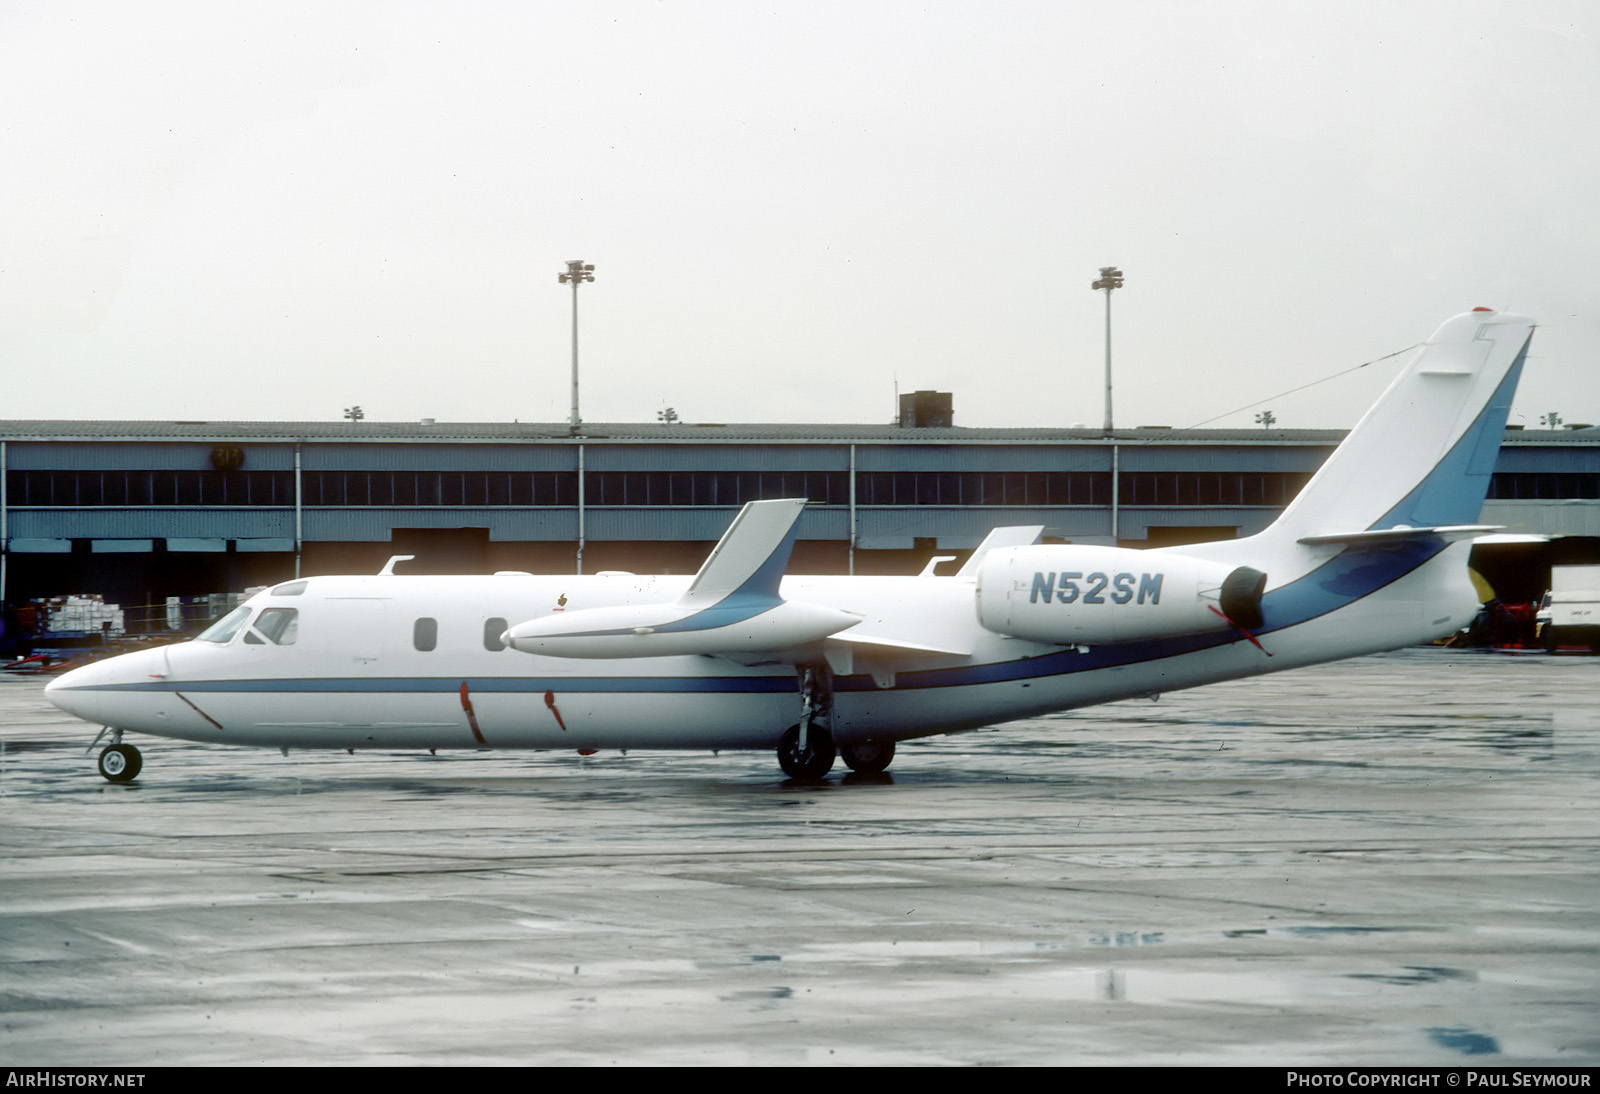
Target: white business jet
(1370, 556)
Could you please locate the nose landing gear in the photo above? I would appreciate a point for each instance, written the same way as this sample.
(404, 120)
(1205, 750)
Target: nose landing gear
(119, 763)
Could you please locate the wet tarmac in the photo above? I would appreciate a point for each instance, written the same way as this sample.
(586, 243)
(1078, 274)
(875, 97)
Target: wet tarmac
(1394, 860)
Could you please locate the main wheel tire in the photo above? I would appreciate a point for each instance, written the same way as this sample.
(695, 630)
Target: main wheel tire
(812, 764)
(120, 763)
(868, 757)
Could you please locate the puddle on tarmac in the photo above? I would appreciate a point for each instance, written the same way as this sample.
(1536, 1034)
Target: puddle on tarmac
(1465, 1041)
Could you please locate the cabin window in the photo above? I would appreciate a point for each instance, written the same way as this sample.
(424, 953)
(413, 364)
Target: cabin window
(425, 634)
(223, 630)
(280, 626)
(492, 630)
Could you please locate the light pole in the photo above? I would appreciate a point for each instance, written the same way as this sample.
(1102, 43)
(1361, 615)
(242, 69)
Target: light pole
(1110, 278)
(577, 273)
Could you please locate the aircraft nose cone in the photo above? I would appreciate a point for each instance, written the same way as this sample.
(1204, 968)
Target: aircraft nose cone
(73, 692)
(92, 692)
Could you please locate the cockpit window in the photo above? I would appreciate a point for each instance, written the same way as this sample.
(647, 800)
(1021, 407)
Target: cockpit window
(279, 625)
(225, 628)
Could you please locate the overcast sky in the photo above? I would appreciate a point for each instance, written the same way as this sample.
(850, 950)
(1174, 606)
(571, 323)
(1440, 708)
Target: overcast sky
(276, 210)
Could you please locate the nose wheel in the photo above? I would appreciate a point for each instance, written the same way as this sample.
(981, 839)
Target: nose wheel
(119, 763)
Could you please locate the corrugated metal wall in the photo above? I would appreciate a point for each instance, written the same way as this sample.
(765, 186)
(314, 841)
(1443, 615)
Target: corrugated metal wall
(601, 456)
(375, 525)
(1550, 458)
(1571, 518)
(377, 456)
(876, 527)
(138, 456)
(982, 457)
(1142, 457)
(234, 522)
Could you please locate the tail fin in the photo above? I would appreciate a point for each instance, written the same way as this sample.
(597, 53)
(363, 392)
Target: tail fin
(1422, 456)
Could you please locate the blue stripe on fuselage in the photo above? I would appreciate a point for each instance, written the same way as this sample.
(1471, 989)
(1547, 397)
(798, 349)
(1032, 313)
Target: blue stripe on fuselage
(423, 685)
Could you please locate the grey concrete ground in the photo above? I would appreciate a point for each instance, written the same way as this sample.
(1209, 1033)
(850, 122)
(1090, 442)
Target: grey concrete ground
(1388, 861)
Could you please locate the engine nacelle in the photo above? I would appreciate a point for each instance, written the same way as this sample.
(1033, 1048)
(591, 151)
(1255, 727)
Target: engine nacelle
(1068, 593)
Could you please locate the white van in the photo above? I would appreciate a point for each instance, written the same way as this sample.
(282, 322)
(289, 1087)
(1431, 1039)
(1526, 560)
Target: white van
(1569, 615)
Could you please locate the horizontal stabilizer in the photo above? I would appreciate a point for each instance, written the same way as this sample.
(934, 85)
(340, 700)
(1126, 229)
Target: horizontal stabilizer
(1383, 536)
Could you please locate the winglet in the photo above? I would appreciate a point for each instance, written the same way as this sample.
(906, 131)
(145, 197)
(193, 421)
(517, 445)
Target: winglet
(749, 560)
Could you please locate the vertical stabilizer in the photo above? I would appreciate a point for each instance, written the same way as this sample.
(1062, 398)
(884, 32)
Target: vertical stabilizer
(1422, 456)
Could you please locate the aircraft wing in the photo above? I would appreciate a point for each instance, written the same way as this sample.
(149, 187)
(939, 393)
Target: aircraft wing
(894, 647)
(881, 658)
(846, 654)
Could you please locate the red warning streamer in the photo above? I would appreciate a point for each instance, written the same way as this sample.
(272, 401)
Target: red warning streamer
(550, 701)
(1240, 629)
(472, 719)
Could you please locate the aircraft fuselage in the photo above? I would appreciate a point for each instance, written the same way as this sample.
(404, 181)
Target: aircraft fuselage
(419, 662)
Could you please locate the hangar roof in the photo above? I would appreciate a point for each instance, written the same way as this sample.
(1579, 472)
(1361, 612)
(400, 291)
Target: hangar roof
(681, 433)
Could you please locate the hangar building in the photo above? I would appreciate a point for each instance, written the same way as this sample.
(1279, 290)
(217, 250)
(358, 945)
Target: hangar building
(139, 511)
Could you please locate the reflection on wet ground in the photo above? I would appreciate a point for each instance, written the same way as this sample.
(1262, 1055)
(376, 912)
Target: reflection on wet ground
(1385, 861)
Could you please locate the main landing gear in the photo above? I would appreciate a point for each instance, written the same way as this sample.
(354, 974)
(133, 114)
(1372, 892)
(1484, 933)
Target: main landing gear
(868, 757)
(806, 751)
(119, 763)
(810, 760)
